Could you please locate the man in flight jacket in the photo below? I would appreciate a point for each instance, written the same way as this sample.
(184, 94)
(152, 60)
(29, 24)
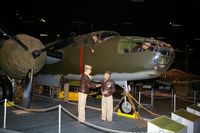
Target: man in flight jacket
(85, 85)
(107, 89)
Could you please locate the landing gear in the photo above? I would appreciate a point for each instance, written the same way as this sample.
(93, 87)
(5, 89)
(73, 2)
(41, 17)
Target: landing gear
(126, 107)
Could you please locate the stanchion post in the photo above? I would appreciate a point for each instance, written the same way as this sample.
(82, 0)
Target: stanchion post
(194, 98)
(59, 118)
(152, 97)
(135, 90)
(139, 99)
(5, 110)
(174, 102)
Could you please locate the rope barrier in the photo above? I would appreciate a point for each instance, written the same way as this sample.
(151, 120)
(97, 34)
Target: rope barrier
(34, 110)
(152, 113)
(133, 107)
(168, 96)
(71, 115)
(158, 97)
(184, 99)
(2, 100)
(119, 102)
(93, 125)
(104, 129)
(138, 116)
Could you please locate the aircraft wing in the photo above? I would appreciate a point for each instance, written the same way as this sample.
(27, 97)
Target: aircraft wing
(175, 75)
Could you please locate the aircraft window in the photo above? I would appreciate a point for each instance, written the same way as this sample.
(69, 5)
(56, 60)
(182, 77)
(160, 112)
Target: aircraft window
(162, 51)
(151, 48)
(108, 34)
(146, 46)
(126, 50)
(86, 40)
(126, 47)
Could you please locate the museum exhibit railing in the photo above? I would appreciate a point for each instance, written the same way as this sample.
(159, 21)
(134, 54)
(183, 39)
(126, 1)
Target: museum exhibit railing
(60, 108)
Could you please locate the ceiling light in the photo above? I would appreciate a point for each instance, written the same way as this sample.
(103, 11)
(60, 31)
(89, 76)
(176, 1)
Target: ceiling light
(174, 24)
(43, 34)
(42, 20)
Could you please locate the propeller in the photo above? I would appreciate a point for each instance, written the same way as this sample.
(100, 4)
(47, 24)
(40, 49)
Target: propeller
(14, 38)
(49, 47)
(58, 44)
(28, 89)
(53, 46)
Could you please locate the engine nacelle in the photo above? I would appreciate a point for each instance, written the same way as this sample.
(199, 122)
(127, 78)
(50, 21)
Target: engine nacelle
(16, 61)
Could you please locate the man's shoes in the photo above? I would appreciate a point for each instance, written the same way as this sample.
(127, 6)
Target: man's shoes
(102, 120)
(110, 122)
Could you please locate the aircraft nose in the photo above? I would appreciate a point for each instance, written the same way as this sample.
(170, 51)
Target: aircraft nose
(163, 56)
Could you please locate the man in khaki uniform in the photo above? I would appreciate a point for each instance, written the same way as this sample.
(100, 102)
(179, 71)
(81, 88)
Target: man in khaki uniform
(107, 89)
(85, 85)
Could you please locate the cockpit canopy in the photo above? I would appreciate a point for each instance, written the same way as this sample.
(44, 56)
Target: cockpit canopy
(106, 34)
(100, 36)
(139, 44)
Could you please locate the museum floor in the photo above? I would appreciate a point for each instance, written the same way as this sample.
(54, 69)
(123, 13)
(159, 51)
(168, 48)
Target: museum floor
(44, 117)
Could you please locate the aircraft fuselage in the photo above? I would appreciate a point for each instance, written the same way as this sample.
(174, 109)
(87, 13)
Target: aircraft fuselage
(115, 54)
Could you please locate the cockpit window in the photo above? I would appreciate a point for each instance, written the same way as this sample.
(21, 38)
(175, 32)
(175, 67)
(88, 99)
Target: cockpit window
(126, 47)
(145, 46)
(142, 46)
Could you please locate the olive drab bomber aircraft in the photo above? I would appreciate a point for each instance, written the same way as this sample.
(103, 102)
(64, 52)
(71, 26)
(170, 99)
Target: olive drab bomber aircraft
(127, 57)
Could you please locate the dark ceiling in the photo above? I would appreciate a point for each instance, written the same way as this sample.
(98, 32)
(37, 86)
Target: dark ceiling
(172, 19)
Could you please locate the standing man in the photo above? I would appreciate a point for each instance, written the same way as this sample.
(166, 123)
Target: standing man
(107, 89)
(86, 84)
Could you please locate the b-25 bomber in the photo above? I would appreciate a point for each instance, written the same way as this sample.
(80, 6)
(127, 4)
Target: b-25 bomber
(127, 57)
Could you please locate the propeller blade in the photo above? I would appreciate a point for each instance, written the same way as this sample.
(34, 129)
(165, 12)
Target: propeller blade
(57, 44)
(53, 46)
(28, 89)
(14, 38)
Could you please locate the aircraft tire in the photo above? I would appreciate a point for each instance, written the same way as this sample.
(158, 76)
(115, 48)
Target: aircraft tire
(126, 109)
(6, 91)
